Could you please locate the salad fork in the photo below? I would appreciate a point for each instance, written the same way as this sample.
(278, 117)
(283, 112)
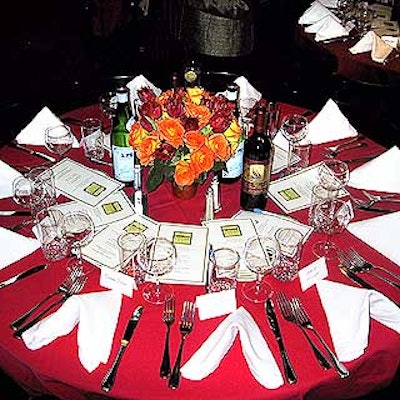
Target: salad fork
(287, 312)
(185, 327)
(64, 287)
(333, 154)
(303, 319)
(343, 144)
(168, 318)
(75, 288)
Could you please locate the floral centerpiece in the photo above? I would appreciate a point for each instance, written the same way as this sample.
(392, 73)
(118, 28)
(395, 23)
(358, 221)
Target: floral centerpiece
(183, 135)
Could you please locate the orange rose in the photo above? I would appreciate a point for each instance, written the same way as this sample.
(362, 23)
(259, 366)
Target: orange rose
(137, 134)
(201, 112)
(171, 130)
(219, 145)
(233, 134)
(202, 160)
(146, 148)
(184, 173)
(194, 140)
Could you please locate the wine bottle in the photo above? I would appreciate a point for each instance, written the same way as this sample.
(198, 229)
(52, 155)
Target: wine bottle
(234, 166)
(122, 152)
(258, 155)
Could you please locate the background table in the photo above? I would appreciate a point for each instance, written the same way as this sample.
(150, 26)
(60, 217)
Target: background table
(56, 368)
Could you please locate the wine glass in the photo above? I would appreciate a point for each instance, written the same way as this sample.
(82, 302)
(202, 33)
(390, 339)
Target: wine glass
(333, 174)
(156, 256)
(330, 217)
(78, 229)
(58, 139)
(108, 105)
(261, 255)
(294, 128)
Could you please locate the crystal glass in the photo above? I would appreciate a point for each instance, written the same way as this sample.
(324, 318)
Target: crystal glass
(108, 106)
(78, 230)
(333, 174)
(330, 217)
(156, 256)
(294, 128)
(261, 255)
(59, 139)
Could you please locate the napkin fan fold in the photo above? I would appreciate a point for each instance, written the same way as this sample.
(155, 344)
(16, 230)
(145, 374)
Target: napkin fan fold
(259, 358)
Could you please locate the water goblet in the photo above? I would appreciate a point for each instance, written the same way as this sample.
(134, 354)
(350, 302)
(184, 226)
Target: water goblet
(333, 174)
(294, 128)
(261, 255)
(156, 256)
(78, 229)
(58, 139)
(330, 217)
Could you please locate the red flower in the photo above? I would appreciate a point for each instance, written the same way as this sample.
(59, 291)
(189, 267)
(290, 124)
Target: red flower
(219, 122)
(146, 95)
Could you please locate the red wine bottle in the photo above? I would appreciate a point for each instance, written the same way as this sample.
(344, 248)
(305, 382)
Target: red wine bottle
(258, 154)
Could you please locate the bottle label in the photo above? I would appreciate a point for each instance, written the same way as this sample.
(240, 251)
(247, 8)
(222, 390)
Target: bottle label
(123, 163)
(234, 166)
(256, 177)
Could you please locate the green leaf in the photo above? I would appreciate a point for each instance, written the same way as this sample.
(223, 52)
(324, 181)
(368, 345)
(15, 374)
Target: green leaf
(155, 177)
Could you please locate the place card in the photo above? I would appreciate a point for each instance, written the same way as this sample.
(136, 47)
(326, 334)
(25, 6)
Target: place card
(115, 280)
(313, 273)
(213, 305)
(82, 183)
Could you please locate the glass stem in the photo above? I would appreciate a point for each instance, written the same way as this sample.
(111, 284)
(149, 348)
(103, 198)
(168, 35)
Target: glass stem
(258, 282)
(290, 151)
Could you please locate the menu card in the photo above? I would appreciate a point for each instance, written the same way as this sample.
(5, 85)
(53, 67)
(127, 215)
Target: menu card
(82, 183)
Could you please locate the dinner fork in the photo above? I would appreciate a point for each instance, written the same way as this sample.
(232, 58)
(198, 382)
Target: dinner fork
(185, 327)
(303, 319)
(75, 288)
(63, 288)
(333, 154)
(344, 144)
(356, 263)
(287, 312)
(392, 197)
(168, 318)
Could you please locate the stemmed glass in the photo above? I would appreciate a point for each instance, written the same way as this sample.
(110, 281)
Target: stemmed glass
(156, 256)
(294, 128)
(108, 105)
(330, 217)
(59, 139)
(261, 255)
(78, 229)
(333, 174)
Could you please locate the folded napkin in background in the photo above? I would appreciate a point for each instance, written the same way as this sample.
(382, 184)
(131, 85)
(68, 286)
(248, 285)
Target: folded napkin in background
(139, 82)
(331, 29)
(96, 315)
(380, 50)
(380, 174)
(246, 89)
(314, 13)
(259, 358)
(7, 175)
(382, 233)
(329, 124)
(329, 3)
(17, 246)
(33, 133)
(348, 310)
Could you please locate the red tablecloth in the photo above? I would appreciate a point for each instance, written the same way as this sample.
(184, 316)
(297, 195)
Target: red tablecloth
(56, 369)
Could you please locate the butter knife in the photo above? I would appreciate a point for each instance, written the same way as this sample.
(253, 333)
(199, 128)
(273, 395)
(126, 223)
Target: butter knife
(109, 378)
(290, 373)
(22, 275)
(33, 152)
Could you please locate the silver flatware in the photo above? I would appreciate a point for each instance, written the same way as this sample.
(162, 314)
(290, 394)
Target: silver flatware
(355, 278)
(290, 373)
(334, 154)
(343, 144)
(376, 209)
(101, 162)
(168, 319)
(32, 152)
(359, 159)
(303, 319)
(14, 213)
(22, 275)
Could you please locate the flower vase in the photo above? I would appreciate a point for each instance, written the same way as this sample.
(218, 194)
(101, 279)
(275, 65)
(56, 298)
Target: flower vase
(184, 192)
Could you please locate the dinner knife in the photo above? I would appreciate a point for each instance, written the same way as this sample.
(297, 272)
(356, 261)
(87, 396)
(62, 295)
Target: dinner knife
(109, 378)
(290, 373)
(22, 275)
(376, 209)
(355, 278)
(33, 152)
(14, 213)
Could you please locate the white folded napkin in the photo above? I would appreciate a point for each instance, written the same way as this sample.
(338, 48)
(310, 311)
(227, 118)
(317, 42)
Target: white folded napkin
(329, 3)
(380, 174)
(139, 82)
(246, 89)
(348, 310)
(7, 175)
(314, 13)
(15, 247)
(96, 315)
(332, 28)
(382, 233)
(259, 358)
(379, 49)
(211, 305)
(33, 133)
